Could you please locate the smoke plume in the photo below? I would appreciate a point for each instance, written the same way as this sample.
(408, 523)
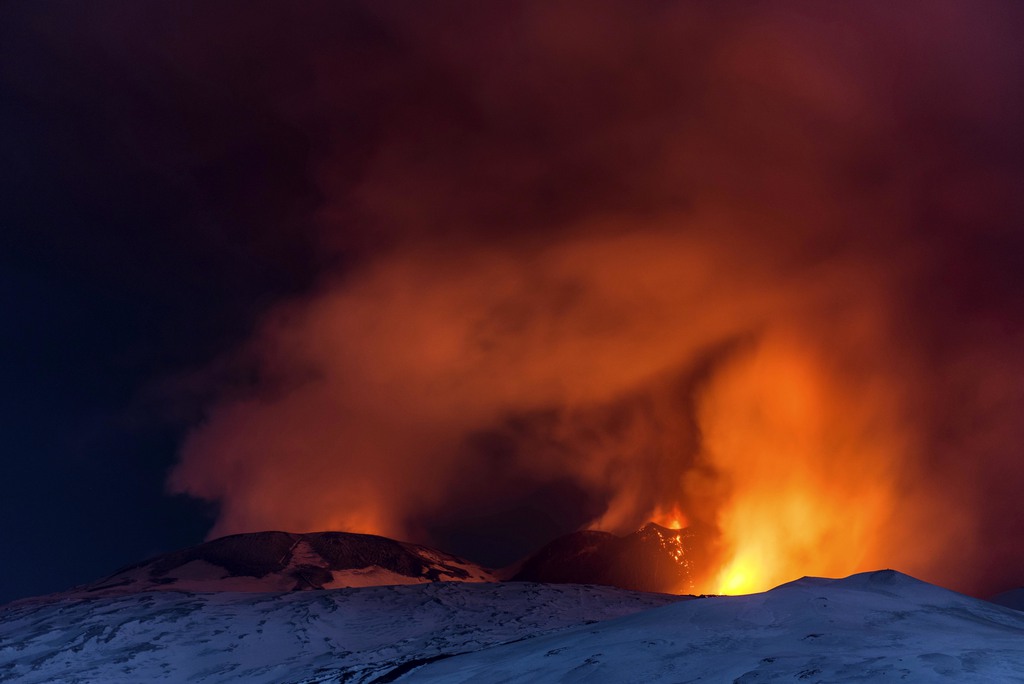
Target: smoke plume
(757, 263)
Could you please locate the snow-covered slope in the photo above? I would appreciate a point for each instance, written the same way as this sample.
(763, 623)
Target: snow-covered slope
(342, 635)
(654, 558)
(285, 561)
(873, 627)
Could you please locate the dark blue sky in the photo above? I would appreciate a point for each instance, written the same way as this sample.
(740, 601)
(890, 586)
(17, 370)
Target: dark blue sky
(140, 217)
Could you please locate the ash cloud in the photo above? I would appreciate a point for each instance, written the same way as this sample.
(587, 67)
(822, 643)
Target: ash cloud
(641, 255)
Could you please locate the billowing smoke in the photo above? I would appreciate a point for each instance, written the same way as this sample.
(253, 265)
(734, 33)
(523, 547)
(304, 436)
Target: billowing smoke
(759, 263)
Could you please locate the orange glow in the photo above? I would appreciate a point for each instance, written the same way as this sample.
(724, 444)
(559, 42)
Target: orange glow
(672, 518)
(741, 576)
(535, 267)
(806, 469)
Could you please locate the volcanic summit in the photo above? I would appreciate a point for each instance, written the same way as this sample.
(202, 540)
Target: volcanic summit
(285, 561)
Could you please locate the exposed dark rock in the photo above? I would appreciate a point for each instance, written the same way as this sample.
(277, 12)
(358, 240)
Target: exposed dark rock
(345, 551)
(653, 558)
(282, 561)
(254, 555)
(310, 577)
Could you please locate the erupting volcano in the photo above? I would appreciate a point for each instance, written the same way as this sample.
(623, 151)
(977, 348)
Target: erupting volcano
(653, 558)
(502, 340)
(489, 276)
(612, 370)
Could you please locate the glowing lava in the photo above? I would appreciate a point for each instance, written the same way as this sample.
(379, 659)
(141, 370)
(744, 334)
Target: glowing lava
(806, 453)
(741, 576)
(671, 518)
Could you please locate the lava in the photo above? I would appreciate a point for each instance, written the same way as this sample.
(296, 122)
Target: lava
(671, 518)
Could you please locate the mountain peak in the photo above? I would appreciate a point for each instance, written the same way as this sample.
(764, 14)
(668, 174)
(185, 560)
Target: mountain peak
(654, 558)
(285, 561)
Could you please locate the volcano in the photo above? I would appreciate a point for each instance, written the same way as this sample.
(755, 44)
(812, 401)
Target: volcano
(243, 609)
(285, 561)
(654, 559)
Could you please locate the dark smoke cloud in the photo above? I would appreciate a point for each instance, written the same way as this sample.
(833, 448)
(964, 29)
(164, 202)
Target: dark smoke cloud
(626, 255)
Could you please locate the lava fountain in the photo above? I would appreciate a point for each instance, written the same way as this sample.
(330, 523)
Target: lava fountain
(805, 457)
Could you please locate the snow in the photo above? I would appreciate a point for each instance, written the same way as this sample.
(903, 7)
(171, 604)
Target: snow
(353, 635)
(872, 627)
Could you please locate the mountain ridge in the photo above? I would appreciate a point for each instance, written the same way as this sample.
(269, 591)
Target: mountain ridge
(273, 561)
(651, 559)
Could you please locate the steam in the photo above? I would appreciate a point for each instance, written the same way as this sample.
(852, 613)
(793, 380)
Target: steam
(663, 256)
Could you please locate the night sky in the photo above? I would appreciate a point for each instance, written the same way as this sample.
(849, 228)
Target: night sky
(479, 274)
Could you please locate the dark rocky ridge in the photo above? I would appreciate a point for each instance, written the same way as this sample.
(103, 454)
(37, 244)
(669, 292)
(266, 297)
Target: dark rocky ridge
(253, 555)
(289, 561)
(653, 558)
